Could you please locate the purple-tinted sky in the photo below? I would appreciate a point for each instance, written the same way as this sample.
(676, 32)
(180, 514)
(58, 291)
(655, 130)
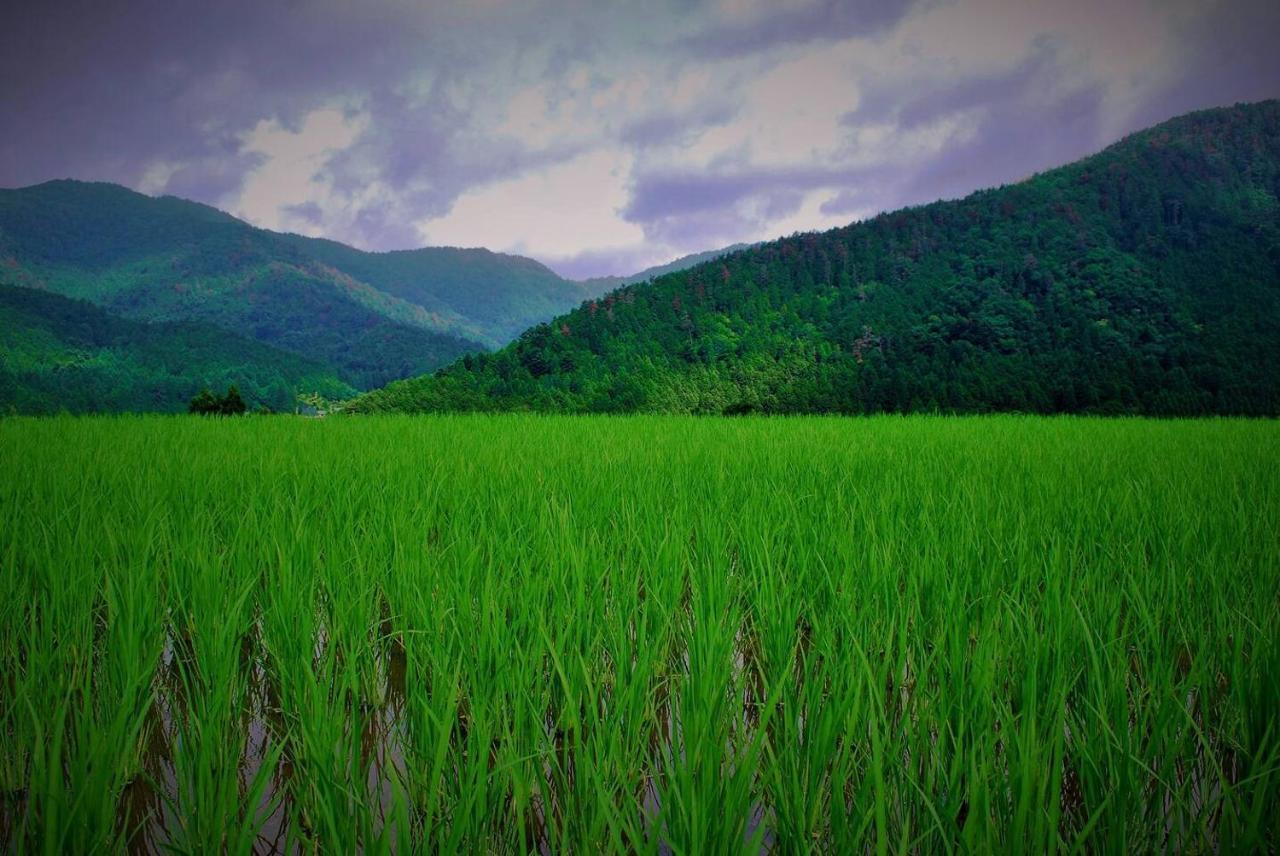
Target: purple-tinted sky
(599, 137)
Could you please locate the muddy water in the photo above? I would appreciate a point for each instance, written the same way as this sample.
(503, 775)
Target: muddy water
(147, 810)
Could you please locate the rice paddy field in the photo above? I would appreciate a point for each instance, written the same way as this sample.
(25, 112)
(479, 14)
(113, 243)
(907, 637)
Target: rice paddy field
(516, 634)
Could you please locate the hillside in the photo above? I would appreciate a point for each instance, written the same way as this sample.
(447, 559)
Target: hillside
(1143, 279)
(490, 297)
(57, 354)
(372, 317)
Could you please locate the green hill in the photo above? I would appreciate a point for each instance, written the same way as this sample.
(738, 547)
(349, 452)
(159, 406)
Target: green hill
(486, 296)
(1143, 279)
(58, 353)
(372, 317)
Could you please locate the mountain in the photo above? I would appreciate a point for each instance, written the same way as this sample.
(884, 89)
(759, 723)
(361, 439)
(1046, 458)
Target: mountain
(168, 259)
(1144, 279)
(58, 353)
(603, 284)
(486, 296)
(371, 317)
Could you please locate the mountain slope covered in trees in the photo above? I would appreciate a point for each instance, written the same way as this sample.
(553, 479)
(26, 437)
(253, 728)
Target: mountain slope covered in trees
(1143, 279)
(58, 353)
(372, 317)
(481, 295)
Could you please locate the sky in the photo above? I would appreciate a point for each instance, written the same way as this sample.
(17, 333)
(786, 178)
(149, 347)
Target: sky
(598, 137)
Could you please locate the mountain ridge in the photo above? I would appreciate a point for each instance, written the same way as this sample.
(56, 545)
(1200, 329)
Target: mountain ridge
(604, 284)
(168, 259)
(1142, 279)
(372, 317)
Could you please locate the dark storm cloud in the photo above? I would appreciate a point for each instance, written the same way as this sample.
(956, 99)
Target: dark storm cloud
(683, 194)
(1023, 125)
(309, 212)
(1014, 140)
(379, 228)
(1023, 120)
(1028, 124)
(108, 88)
(174, 97)
(667, 128)
(911, 106)
(693, 211)
(844, 203)
(1230, 57)
(827, 20)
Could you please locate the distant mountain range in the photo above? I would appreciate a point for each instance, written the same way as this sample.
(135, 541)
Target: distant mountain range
(1144, 279)
(603, 284)
(319, 314)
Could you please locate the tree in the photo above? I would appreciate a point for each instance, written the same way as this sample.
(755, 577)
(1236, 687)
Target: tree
(204, 403)
(208, 404)
(232, 404)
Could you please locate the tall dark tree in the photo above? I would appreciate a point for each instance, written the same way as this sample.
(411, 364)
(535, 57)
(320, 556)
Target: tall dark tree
(232, 404)
(207, 404)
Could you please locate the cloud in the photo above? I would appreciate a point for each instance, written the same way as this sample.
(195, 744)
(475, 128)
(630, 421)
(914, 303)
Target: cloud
(556, 212)
(288, 189)
(754, 27)
(599, 135)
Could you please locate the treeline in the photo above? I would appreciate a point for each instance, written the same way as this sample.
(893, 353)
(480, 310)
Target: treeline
(1144, 279)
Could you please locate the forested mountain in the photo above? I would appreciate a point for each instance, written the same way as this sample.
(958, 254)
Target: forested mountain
(372, 317)
(57, 353)
(1143, 279)
(486, 296)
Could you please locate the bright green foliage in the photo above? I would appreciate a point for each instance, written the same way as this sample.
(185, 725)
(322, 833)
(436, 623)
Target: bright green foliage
(168, 259)
(370, 318)
(646, 634)
(62, 354)
(1144, 279)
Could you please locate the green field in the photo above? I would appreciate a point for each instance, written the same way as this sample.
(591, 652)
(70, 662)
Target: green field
(649, 634)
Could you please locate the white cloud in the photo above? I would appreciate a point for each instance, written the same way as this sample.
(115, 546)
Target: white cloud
(794, 110)
(555, 212)
(292, 169)
(156, 177)
(810, 217)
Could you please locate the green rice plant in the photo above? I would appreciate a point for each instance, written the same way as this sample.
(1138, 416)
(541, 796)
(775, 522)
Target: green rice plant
(647, 634)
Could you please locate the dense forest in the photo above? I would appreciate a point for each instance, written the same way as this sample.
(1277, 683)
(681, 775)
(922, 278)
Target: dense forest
(370, 317)
(1144, 279)
(169, 260)
(59, 354)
